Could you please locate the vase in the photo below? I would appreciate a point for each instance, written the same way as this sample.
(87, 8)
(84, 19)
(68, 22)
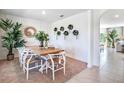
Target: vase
(41, 44)
(45, 44)
(10, 57)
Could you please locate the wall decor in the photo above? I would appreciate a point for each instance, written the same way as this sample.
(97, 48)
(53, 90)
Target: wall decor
(66, 33)
(30, 31)
(55, 29)
(58, 33)
(76, 33)
(70, 26)
(61, 28)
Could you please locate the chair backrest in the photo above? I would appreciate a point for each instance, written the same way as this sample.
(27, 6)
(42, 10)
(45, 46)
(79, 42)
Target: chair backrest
(20, 49)
(25, 53)
(30, 55)
(60, 55)
(63, 55)
(43, 58)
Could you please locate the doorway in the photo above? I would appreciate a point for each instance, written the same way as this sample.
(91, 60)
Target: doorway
(112, 39)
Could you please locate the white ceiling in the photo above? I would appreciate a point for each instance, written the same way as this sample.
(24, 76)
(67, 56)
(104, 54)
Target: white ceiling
(109, 20)
(51, 15)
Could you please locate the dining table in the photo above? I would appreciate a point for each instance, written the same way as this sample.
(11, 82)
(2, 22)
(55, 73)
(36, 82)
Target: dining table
(44, 51)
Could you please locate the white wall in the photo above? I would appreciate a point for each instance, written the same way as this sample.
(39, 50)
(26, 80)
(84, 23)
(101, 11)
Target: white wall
(76, 48)
(86, 47)
(88, 43)
(103, 30)
(96, 14)
(39, 25)
(119, 30)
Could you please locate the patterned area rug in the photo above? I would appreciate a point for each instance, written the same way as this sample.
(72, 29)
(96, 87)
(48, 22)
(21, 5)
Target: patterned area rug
(10, 72)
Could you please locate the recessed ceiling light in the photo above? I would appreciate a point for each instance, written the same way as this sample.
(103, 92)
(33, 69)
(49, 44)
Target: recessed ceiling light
(116, 16)
(43, 12)
(61, 15)
(89, 11)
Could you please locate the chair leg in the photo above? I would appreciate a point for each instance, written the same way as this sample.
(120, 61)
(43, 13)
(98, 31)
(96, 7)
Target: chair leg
(64, 69)
(41, 68)
(23, 68)
(46, 67)
(27, 73)
(53, 72)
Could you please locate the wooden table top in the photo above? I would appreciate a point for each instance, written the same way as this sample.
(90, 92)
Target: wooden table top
(45, 51)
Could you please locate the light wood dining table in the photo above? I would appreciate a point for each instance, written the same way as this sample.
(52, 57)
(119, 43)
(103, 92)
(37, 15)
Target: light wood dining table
(44, 51)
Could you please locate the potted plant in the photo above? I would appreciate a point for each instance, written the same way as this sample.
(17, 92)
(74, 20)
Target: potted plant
(112, 35)
(102, 39)
(12, 38)
(42, 37)
(46, 39)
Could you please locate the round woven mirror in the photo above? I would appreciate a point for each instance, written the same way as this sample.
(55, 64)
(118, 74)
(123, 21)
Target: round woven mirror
(29, 31)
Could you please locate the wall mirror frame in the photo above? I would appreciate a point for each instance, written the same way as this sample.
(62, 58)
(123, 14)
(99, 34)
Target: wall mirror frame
(30, 31)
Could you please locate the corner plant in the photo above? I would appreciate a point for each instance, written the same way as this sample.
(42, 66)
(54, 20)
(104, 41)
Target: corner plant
(13, 36)
(41, 36)
(112, 35)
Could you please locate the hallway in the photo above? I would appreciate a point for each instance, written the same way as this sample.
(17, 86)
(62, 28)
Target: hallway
(110, 71)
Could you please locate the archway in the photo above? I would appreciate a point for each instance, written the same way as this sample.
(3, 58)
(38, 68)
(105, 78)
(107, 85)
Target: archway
(94, 31)
(111, 26)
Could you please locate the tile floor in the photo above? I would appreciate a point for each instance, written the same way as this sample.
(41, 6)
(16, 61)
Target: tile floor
(110, 71)
(10, 72)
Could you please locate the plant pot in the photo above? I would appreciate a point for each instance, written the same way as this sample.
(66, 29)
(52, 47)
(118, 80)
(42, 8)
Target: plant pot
(113, 45)
(41, 44)
(10, 57)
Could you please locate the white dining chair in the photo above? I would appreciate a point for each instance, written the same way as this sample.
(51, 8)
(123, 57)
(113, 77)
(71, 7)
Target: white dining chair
(23, 55)
(33, 61)
(56, 62)
(20, 50)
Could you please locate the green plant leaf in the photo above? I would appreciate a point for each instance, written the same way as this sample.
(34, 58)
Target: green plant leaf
(41, 36)
(13, 37)
(6, 25)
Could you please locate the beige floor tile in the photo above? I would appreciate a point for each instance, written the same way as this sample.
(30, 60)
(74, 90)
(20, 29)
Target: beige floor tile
(110, 71)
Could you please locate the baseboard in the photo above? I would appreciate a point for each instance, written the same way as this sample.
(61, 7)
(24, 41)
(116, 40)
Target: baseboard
(3, 59)
(6, 59)
(77, 59)
(67, 56)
